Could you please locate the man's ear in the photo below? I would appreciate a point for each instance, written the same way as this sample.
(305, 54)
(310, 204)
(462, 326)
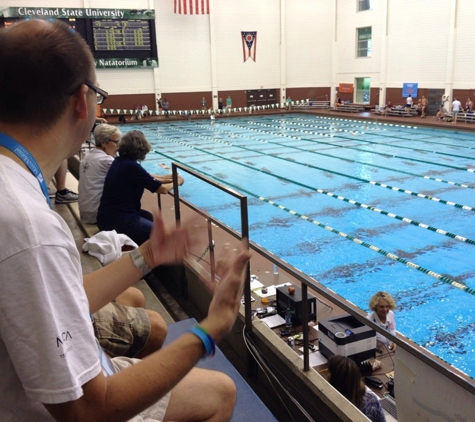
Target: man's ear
(79, 99)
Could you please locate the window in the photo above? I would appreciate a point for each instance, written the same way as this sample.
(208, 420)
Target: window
(363, 47)
(362, 90)
(364, 5)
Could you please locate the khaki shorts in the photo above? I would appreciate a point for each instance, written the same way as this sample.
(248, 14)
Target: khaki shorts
(121, 330)
(154, 413)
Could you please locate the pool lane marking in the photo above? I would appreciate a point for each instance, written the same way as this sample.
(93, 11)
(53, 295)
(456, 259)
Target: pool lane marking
(383, 185)
(348, 147)
(435, 131)
(360, 242)
(392, 256)
(366, 141)
(386, 137)
(339, 197)
(360, 162)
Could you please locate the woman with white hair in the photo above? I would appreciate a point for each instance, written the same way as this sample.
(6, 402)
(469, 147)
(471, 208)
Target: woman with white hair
(93, 170)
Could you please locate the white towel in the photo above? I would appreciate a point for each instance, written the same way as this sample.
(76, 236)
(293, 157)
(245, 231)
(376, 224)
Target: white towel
(106, 246)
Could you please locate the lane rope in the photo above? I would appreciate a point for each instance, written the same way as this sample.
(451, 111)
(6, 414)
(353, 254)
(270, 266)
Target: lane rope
(383, 185)
(367, 245)
(376, 143)
(322, 191)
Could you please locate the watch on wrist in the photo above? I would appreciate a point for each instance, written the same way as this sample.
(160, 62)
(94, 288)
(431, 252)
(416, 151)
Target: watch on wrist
(139, 261)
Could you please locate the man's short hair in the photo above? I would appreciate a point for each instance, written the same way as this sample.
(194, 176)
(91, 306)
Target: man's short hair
(103, 132)
(42, 64)
(134, 145)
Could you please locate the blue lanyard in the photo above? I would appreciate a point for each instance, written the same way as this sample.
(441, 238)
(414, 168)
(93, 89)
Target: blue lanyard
(23, 154)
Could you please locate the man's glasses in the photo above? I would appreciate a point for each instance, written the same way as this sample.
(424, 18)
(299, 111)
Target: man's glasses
(100, 93)
(115, 142)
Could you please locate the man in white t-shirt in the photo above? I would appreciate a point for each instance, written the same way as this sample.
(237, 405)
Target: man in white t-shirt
(409, 103)
(50, 363)
(456, 107)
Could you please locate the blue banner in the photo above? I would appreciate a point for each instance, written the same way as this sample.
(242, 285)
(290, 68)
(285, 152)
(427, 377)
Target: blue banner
(409, 89)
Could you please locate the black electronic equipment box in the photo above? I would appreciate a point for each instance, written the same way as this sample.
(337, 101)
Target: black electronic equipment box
(294, 303)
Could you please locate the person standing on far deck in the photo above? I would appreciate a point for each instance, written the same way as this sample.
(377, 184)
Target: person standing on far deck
(424, 104)
(456, 107)
(409, 103)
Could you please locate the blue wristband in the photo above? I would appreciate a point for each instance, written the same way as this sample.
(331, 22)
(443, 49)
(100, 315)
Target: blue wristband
(208, 342)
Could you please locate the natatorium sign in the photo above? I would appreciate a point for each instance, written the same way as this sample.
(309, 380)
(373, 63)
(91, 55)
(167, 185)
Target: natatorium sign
(122, 63)
(64, 12)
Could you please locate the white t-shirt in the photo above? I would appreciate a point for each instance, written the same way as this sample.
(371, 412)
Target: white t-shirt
(92, 173)
(390, 326)
(47, 345)
(456, 105)
(409, 101)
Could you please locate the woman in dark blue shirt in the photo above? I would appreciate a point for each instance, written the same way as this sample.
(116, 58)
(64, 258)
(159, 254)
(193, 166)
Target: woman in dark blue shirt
(126, 180)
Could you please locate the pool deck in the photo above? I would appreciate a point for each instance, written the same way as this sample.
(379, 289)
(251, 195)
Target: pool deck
(429, 121)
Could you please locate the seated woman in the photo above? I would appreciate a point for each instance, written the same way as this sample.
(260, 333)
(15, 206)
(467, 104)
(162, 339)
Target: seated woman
(468, 105)
(93, 170)
(123, 189)
(345, 376)
(382, 304)
(441, 113)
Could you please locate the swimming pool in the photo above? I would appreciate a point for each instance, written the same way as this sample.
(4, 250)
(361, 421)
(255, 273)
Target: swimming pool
(358, 206)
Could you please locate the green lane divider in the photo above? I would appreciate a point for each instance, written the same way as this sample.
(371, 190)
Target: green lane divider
(435, 179)
(442, 278)
(331, 194)
(392, 256)
(366, 141)
(386, 137)
(383, 185)
(354, 148)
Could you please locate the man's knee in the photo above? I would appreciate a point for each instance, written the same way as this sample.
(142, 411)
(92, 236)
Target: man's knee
(131, 297)
(227, 388)
(223, 396)
(214, 397)
(158, 326)
(158, 333)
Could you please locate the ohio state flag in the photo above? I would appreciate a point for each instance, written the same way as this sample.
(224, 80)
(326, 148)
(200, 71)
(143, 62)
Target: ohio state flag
(192, 7)
(249, 42)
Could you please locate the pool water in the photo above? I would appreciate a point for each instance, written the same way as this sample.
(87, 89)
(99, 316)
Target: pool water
(358, 206)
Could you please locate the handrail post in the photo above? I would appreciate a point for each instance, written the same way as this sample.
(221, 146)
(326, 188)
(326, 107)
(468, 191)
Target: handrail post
(306, 365)
(176, 194)
(245, 245)
(212, 263)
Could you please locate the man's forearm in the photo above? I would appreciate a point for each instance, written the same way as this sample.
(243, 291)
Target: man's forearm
(105, 284)
(129, 392)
